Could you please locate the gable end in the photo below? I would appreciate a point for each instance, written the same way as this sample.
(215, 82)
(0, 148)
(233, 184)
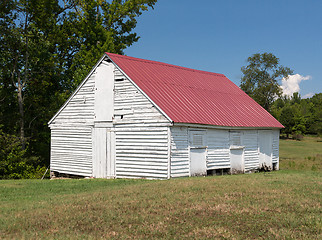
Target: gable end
(77, 89)
(141, 91)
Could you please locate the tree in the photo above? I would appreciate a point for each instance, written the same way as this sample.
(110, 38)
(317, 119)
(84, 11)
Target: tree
(47, 47)
(261, 78)
(102, 26)
(287, 119)
(316, 117)
(299, 116)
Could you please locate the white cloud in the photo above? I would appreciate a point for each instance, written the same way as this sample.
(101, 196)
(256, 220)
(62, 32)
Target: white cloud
(308, 95)
(292, 83)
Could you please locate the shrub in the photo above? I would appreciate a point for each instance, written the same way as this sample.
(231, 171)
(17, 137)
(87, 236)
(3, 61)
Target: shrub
(297, 136)
(14, 163)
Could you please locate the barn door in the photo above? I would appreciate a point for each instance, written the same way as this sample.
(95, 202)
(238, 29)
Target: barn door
(103, 160)
(237, 164)
(236, 160)
(198, 164)
(265, 149)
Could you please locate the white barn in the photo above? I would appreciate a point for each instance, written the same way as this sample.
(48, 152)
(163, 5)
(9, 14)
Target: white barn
(135, 118)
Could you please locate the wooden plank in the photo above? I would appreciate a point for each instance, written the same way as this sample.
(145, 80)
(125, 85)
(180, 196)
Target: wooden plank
(140, 136)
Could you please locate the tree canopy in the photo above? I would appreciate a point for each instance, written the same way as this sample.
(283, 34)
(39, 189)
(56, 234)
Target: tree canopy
(261, 78)
(47, 47)
(299, 116)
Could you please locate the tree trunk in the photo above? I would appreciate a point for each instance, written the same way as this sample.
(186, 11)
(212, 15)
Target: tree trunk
(21, 112)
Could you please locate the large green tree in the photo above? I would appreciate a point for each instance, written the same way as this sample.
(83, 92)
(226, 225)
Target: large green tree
(47, 47)
(261, 77)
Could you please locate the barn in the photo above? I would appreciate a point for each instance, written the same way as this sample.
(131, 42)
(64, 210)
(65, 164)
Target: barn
(136, 118)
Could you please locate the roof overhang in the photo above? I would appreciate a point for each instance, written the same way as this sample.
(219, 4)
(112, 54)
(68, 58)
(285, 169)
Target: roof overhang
(194, 125)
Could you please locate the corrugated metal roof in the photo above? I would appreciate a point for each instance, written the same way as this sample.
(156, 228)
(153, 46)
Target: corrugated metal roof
(193, 96)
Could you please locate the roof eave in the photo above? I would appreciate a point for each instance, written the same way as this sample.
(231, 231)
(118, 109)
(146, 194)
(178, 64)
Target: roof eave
(198, 125)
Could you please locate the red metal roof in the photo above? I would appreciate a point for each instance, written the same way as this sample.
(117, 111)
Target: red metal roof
(193, 96)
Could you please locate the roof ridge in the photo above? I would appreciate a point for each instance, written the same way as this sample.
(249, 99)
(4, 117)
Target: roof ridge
(166, 64)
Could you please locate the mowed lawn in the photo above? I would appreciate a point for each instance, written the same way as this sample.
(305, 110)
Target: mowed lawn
(284, 204)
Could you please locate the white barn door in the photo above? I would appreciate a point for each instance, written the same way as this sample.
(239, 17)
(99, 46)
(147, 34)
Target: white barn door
(103, 154)
(237, 164)
(198, 164)
(236, 160)
(265, 149)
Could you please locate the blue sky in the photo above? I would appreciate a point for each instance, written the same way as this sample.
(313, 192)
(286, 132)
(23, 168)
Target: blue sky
(219, 35)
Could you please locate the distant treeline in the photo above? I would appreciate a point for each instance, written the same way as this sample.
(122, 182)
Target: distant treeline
(299, 116)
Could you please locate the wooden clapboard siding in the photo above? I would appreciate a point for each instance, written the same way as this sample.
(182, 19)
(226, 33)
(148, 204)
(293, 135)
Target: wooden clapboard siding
(251, 154)
(179, 152)
(275, 147)
(80, 109)
(218, 149)
(71, 131)
(71, 150)
(141, 133)
(235, 138)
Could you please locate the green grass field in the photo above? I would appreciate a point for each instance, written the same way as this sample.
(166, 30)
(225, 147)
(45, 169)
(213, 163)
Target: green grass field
(301, 155)
(284, 204)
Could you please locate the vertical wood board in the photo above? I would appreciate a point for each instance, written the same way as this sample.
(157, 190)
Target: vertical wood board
(104, 85)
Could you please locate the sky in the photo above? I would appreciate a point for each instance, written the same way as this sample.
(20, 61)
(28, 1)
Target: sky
(219, 35)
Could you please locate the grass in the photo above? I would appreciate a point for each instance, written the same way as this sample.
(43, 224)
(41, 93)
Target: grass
(301, 155)
(285, 204)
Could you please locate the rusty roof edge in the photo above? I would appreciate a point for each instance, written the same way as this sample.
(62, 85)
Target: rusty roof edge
(153, 103)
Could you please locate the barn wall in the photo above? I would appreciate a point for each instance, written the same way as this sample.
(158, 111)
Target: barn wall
(251, 155)
(71, 149)
(218, 149)
(80, 109)
(275, 150)
(179, 152)
(141, 133)
(217, 142)
(220, 144)
(72, 130)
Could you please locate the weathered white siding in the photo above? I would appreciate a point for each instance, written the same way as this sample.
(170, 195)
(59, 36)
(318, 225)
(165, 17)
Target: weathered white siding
(220, 145)
(141, 134)
(251, 155)
(71, 134)
(218, 149)
(179, 152)
(71, 130)
(235, 138)
(80, 109)
(71, 150)
(275, 147)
